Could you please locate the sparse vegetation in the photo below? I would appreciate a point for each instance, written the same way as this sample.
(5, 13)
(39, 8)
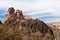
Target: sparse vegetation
(11, 34)
(16, 27)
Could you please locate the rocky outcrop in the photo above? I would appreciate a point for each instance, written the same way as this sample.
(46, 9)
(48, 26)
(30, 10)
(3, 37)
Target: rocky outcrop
(30, 25)
(17, 20)
(10, 13)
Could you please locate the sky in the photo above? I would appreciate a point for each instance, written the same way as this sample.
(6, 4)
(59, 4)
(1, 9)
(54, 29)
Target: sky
(46, 10)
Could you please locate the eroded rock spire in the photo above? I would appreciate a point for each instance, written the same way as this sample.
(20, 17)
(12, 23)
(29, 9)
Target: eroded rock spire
(19, 14)
(10, 13)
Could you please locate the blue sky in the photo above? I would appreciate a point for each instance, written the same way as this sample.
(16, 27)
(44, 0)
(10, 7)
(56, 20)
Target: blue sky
(46, 10)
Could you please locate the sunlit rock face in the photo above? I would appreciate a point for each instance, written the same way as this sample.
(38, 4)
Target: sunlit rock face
(19, 14)
(10, 12)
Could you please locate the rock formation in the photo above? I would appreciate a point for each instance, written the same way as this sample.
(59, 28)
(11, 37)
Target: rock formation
(10, 13)
(19, 14)
(17, 20)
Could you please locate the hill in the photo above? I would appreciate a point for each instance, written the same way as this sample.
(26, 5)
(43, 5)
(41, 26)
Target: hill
(32, 29)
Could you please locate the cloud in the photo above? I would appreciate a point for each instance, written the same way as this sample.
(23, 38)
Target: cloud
(35, 8)
(25, 5)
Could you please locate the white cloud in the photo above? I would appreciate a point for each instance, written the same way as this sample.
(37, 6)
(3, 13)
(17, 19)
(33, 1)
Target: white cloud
(31, 7)
(27, 5)
(35, 5)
